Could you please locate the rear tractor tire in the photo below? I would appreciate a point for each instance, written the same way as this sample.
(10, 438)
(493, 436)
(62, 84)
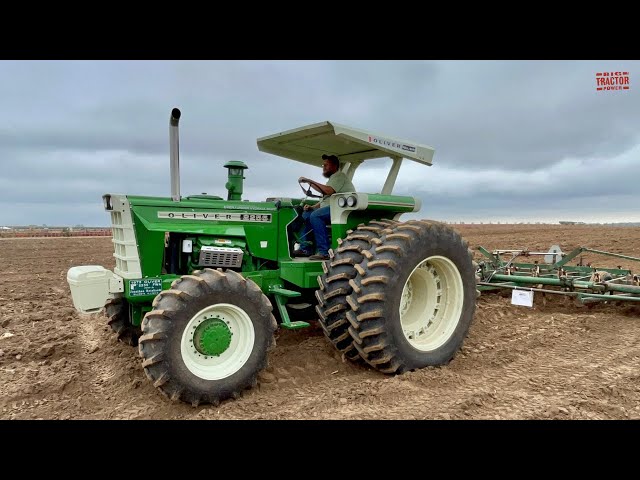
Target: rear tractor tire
(117, 311)
(413, 298)
(334, 284)
(207, 337)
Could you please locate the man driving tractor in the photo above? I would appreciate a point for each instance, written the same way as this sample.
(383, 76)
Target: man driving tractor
(318, 216)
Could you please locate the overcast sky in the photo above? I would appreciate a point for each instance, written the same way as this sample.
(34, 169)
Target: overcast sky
(514, 140)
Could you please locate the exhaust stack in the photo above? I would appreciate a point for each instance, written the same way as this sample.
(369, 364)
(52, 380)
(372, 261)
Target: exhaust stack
(174, 153)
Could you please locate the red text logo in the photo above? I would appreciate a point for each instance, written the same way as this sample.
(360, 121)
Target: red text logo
(612, 81)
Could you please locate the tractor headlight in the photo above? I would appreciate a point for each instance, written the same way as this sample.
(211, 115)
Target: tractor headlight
(351, 201)
(342, 202)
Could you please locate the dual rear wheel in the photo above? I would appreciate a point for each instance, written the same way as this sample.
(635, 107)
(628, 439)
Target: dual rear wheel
(409, 301)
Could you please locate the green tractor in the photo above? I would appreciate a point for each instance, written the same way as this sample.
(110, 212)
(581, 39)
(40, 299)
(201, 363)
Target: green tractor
(201, 283)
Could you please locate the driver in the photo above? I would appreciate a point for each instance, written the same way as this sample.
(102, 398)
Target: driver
(317, 216)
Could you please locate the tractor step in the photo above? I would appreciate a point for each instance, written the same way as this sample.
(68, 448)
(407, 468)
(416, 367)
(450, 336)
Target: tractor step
(284, 292)
(282, 295)
(294, 325)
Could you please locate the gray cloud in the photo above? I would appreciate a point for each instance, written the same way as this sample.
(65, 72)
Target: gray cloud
(529, 134)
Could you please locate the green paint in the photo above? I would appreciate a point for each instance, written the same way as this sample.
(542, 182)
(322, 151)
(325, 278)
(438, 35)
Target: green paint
(565, 282)
(301, 273)
(286, 214)
(354, 219)
(607, 297)
(278, 290)
(234, 184)
(150, 247)
(204, 196)
(251, 222)
(494, 258)
(570, 256)
(281, 296)
(546, 269)
(259, 229)
(391, 203)
(138, 312)
(265, 279)
(166, 202)
(212, 337)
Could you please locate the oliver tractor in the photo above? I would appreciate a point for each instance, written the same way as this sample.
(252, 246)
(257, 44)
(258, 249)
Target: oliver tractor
(201, 283)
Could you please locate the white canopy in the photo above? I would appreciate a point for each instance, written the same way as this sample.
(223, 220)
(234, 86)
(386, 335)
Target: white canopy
(350, 145)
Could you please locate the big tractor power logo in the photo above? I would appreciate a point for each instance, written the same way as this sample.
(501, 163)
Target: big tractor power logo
(612, 81)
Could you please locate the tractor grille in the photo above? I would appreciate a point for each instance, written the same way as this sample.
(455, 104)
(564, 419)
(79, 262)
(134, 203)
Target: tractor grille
(220, 257)
(124, 239)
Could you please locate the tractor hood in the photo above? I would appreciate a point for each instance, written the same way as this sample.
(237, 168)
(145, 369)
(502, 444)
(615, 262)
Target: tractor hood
(351, 145)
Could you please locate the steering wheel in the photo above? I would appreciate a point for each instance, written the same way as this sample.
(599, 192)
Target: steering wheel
(308, 191)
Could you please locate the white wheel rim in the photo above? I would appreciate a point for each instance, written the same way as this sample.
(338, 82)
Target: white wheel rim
(431, 303)
(234, 357)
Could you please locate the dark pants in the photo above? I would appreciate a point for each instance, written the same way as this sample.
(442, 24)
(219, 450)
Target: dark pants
(317, 221)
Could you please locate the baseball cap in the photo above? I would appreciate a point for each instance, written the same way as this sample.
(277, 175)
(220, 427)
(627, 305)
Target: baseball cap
(329, 157)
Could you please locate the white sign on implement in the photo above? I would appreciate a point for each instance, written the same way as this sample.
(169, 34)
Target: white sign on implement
(555, 255)
(522, 297)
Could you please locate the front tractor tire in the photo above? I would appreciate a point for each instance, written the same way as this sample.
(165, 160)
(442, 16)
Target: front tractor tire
(334, 284)
(414, 297)
(207, 337)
